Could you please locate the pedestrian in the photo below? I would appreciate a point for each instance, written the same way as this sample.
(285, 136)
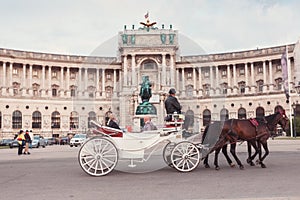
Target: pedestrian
(172, 105)
(149, 126)
(27, 142)
(21, 141)
(112, 121)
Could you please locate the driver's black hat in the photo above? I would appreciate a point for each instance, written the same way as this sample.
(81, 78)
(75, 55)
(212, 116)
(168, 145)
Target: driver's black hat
(172, 91)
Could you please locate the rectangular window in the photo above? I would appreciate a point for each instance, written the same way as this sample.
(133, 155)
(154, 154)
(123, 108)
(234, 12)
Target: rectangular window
(242, 71)
(206, 74)
(108, 77)
(35, 73)
(54, 74)
(72, 92)
(224, 73)
(15, 71)
(260, 69)
(54, 92)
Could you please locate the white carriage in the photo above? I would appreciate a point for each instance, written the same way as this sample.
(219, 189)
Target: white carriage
(99, 155)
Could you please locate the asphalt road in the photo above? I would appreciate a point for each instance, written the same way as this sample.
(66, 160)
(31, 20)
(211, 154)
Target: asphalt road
(54, 173)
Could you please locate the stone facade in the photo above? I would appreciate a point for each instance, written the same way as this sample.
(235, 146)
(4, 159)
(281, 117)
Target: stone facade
(57, 94)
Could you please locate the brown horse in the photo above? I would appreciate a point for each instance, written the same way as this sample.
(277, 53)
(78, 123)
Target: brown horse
(234, 130)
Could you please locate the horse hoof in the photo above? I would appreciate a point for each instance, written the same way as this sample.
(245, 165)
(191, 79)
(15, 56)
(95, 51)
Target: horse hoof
(206, 166)
(217, 168)
(241, 167)
(250, 162)
(263, 165)
(257, 162)
(232, 165)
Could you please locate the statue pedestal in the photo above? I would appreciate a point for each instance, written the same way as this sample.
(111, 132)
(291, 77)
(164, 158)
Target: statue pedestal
(145, 108)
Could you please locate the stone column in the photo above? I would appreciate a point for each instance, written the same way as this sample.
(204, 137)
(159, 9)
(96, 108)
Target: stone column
(125, 70)
(133, 68)
(62, 78)
(85, 79)
(228, 76)
(200, 82)
(43, 89)
(246, 74)
(10, 74)
(115, 83)
(211, 75)
(163, 77)
(49, 78)
(97, 81)
(68, 78)
(183, 79)
(264, 76)
(68, 83)
(194, 81)
(252, 78)
(24, 76)
(79, 79)
(103, 82)
(30, 81)
(172, 69)
(234, 75)
(4, 75)
(217, 77)
(30, 77)
(271, 85)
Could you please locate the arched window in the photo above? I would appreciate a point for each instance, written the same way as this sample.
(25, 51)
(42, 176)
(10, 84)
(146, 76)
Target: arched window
(17, 119)
(224, 114)
(189, 119)
(74, 120)
(55, 120)
(260, 112)
(242, 113)
(36, 119)
(206, 117)
(149, 65)
(92, 116)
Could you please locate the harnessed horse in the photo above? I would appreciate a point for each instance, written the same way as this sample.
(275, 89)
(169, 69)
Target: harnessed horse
(234, 130)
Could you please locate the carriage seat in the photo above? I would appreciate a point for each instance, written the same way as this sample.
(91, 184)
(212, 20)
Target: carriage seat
(110, 131)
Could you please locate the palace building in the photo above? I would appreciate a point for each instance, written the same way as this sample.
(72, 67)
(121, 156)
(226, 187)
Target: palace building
(55, 94)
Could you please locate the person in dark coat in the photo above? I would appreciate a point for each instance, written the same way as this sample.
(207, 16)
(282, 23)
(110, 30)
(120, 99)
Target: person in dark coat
(112, 121)
(172, 105)
(27, 142)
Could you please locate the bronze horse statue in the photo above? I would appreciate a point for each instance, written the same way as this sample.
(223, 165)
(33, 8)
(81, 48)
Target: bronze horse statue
(234, 130)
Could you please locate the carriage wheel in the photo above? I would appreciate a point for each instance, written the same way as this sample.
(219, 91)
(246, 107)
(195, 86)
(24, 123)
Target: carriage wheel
(98, 156)
(185, 156)
(167, 153)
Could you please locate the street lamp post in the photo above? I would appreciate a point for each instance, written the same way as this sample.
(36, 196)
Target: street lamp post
(294, 122)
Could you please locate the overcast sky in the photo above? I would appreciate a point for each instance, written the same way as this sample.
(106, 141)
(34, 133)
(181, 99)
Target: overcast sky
(80, 26)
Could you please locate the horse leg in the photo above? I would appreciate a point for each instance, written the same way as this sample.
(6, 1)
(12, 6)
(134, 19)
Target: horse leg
(249, 160)
(224, 151)
(217, 151)
(233, 153)
(261, 158)
(254, 143)
(205, 162)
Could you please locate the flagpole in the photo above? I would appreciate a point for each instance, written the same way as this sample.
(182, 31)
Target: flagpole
(289, 89)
